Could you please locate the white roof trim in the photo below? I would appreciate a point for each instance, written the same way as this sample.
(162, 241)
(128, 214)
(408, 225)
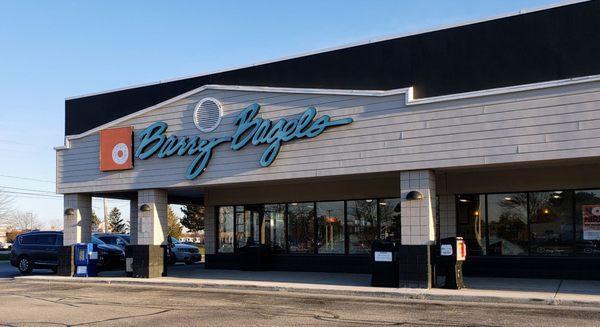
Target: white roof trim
(350, 45)
(408, 91)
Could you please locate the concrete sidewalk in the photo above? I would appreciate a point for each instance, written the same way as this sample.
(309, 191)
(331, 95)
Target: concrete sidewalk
(491, 290)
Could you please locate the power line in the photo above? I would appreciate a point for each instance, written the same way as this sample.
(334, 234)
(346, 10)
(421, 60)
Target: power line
(36, 194)
(28, 179)
(45, 197)
(27, 189)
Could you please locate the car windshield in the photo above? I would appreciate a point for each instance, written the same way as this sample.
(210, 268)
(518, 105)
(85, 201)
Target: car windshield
(96, 240)
(174, 240)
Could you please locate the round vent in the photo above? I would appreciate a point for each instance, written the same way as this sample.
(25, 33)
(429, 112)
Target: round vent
(207, 114)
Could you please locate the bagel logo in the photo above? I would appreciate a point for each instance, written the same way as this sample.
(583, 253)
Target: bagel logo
(116, 149)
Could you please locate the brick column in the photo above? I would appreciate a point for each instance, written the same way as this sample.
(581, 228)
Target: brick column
(77, 229)
(447, 216)
(133, 221)
(210, 233)
(152, 224)
(78, 225)
(417, 216)
(418, 228)
(147, 256)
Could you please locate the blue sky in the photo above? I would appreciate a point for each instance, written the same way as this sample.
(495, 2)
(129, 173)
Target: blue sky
(51, 50)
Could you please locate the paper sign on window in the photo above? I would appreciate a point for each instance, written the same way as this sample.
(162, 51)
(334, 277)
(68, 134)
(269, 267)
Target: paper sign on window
(591, 222)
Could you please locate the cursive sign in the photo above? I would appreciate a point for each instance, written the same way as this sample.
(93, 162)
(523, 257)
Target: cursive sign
(250, 129)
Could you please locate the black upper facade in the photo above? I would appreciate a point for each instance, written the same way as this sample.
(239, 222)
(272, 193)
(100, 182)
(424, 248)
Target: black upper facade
(552, 44)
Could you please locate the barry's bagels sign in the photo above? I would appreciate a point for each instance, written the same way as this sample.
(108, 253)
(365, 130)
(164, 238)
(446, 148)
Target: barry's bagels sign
(116, 149)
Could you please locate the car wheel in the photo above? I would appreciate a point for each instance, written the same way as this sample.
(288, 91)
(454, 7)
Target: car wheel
(25, 265)
(189, 262)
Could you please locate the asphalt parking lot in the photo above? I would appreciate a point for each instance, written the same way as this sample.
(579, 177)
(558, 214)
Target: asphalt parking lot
(8, 271)
(113, 305)
(108, 305)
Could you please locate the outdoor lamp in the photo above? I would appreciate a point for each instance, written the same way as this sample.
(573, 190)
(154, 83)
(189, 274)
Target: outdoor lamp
(69, 211)
(414, 195)
(144, 208)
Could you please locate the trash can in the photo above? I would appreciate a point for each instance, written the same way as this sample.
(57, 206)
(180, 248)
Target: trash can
(254, 257)
(86, 260)
(452, 254)
(384, 264)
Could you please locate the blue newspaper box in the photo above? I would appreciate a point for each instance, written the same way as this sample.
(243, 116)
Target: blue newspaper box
(86, 260)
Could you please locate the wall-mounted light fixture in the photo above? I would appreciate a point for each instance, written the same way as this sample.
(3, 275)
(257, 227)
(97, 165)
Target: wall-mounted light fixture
(144, 208)
(69, 211)
(414, 195)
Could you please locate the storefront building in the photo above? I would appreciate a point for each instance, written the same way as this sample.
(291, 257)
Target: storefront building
(492, 125)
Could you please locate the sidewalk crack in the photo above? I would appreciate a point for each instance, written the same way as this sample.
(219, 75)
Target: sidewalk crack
(557, 290)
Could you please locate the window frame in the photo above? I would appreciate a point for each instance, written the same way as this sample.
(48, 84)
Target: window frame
(572, 191)
(315, 224)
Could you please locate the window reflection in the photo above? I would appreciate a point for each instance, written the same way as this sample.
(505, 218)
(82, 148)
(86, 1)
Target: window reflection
(471, 222)
(362, 225)
(551, 223)
(242, 227)
(301, 224)
(507, 221)
(252, 214)
(330, 218)
(311, 227)
(274, 227)
(389, 219)
(225, 230)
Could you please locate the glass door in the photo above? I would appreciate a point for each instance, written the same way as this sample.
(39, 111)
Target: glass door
(254, 215)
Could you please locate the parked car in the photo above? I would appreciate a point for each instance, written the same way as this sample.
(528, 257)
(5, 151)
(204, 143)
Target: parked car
(39, 250)
(120, 240)
(5, 246)
(180, 252)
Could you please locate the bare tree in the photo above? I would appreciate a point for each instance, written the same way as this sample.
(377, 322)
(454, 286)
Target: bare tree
(25, 221)
(55, 224)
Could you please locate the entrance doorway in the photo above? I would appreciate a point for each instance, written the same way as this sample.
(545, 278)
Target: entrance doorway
(261, 224)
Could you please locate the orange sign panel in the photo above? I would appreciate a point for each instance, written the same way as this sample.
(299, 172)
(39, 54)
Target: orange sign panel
(116, 149)
(461, 250)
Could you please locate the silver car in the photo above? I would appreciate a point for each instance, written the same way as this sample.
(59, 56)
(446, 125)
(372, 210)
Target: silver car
(181, 252)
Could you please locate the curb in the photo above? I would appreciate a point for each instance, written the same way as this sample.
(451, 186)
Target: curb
(374, 295)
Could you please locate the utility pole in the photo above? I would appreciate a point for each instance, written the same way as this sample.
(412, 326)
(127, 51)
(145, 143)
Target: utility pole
(105, 215)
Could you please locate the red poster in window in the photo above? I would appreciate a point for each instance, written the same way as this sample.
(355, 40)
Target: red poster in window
(116, 149)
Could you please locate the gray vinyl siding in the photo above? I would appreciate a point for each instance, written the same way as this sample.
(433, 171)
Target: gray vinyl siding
(386, 135)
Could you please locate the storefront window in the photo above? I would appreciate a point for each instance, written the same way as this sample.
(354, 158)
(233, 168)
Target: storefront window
(330, 219)
(507, 221)
(587, 222)
(470, 214)
(274, 226)
(240, 227)
(252, 215)
(362, 225)
(551, 224)
(389, 219)
(301, 227)
(226, 229)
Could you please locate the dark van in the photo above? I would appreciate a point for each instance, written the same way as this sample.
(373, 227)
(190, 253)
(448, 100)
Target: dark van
(39, 250)
(36, 250)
